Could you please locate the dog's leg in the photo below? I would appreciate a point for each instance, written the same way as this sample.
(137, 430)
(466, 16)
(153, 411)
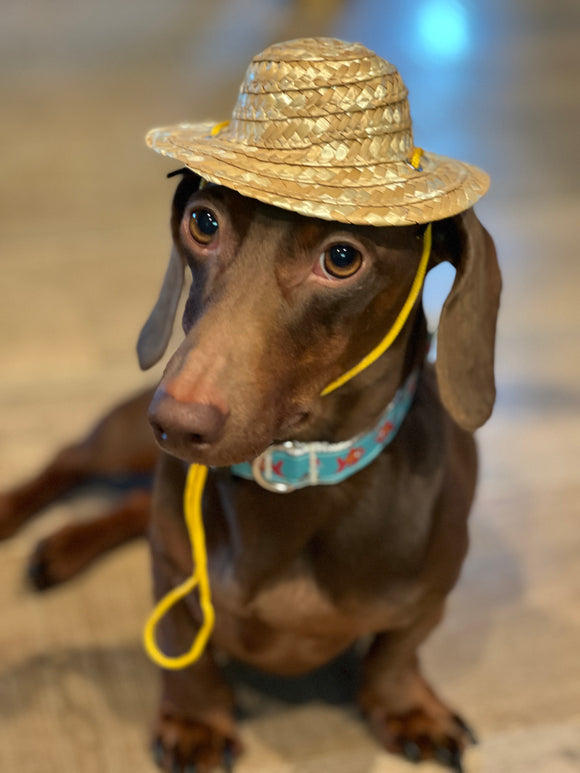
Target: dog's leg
(121, 443)
(195, 727)
(22, 502)
(404, 712)
(185, 740)
(70, 550)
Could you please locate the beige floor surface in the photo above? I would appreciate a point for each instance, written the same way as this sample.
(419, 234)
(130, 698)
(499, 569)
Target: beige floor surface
(83, 240)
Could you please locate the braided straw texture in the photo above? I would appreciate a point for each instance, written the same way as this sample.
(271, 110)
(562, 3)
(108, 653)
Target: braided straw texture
(323, 128)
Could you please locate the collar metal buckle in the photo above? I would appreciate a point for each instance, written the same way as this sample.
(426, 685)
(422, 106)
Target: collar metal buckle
(262, 470)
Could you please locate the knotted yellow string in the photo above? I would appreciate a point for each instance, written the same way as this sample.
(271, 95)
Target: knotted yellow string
(193, 493)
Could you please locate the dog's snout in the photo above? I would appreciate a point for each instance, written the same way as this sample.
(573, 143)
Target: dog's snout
(181, 427)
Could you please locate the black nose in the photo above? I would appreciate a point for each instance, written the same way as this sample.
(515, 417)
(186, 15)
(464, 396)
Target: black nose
(182, 428)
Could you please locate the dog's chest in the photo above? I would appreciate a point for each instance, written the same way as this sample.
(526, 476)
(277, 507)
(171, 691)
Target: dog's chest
(288, 626)
(286, 603)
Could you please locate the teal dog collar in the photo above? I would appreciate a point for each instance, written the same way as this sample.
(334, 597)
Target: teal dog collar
(288, 466)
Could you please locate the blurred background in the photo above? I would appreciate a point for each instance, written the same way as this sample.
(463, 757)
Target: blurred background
(84, 210)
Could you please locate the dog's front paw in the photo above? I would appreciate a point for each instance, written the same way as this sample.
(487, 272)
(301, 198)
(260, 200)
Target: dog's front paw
(419, 735)
(58, 558)
(188, 746)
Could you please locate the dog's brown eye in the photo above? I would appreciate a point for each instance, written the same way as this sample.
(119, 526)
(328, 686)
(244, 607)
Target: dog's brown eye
(203, 225)
(340, 261)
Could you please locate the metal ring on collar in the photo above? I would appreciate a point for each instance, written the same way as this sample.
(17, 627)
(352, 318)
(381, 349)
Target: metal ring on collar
(277, 487)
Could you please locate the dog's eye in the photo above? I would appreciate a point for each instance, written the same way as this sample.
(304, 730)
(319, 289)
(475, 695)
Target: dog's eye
(340, 261)
(203, 225)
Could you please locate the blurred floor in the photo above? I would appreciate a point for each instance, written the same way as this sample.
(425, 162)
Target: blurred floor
(83, 240)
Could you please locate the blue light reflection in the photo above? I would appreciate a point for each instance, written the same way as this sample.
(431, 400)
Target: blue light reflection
(443, 29)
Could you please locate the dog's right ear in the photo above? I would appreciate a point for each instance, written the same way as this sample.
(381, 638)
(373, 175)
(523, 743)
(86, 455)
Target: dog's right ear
(156, 332)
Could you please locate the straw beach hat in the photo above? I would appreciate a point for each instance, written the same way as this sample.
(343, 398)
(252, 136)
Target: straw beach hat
(322, 127)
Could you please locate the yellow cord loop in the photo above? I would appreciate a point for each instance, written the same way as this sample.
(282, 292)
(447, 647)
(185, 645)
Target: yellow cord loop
(194, 486)
(192, 497)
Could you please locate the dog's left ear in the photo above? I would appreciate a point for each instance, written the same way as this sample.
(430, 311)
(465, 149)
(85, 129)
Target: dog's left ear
(466, 338)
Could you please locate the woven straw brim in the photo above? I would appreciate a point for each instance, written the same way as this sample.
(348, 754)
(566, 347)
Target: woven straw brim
(320, 181)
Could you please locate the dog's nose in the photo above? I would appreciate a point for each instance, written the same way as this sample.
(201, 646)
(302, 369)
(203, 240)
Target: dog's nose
(181, 428)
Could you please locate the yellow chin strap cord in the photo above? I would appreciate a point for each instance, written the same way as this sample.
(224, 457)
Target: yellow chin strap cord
(387, 341)
(193, 493)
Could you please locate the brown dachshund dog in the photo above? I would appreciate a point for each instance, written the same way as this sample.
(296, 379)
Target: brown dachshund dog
(296, 578)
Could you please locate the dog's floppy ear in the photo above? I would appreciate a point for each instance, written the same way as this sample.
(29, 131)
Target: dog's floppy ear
(156, 332)
(466, 338)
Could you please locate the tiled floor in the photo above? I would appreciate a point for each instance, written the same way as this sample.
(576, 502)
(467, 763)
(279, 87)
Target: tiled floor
(83, 240)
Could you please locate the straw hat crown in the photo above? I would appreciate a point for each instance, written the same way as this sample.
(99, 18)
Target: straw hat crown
(323, 128)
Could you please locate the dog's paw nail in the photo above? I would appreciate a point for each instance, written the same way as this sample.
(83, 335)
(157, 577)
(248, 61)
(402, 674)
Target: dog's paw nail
(158, 753)
(451, 758)
(38, 576)
(228, 758)
(466, 729)
(457, 765)
(411, 751)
